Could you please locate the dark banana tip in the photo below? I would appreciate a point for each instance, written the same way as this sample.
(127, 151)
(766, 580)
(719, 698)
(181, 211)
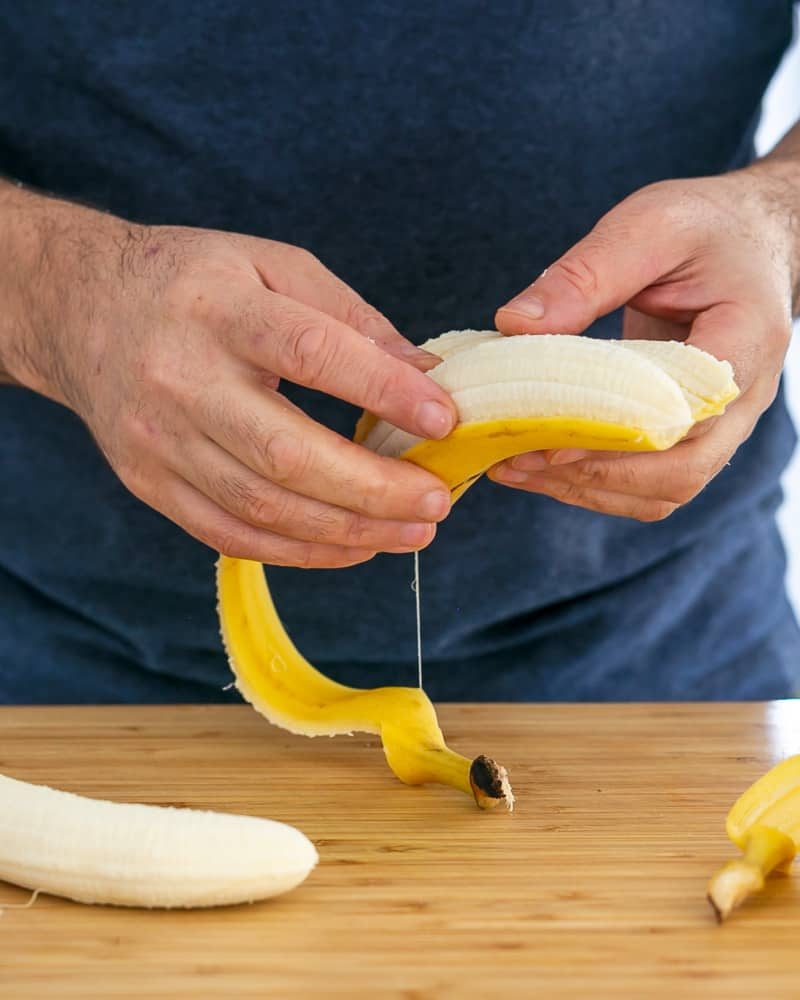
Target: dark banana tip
(490, 784)
(716, 909)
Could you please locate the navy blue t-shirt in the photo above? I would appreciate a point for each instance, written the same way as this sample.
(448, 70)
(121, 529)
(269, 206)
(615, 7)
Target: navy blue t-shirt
(436, 156)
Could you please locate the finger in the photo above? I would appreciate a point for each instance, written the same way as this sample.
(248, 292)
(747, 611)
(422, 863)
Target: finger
(256, 501)
(671, 479)
(305, 278)
(540, 461)
(306, 346)
(591, 498)
(217, 528)
(674, 477)
(278, 442)
(627, 250)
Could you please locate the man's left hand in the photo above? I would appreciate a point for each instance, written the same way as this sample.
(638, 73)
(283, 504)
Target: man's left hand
(710, 261)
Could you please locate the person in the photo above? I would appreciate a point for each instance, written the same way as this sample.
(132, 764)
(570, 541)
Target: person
(192, 194)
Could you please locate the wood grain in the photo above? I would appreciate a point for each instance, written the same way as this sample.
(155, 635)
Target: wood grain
(594, 886)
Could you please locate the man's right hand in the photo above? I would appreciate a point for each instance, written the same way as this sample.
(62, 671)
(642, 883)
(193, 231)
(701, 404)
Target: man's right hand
(170, 343)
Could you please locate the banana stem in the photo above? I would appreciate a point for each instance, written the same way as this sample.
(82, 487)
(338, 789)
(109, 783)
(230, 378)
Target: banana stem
(416, 761)
(442, 766)
(765, 850)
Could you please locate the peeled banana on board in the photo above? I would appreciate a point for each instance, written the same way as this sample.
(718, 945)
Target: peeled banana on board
(764, 824)
(514, 394)
(127, 854)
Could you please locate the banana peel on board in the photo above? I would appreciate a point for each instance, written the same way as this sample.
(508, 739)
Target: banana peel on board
(764, 824)
(513, 394)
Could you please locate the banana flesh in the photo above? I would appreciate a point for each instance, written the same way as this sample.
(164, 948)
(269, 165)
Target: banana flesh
(127, 854)
(706, 383)
(533, 393)
(765, 824)
(514, 394)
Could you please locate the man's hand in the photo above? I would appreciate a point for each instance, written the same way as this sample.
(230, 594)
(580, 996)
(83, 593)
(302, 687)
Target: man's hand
(170, 344)
(708, 261)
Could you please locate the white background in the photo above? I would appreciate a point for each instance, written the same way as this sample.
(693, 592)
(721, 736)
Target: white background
(781, 110)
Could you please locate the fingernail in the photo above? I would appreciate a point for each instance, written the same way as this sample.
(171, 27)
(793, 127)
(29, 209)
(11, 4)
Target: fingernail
(412, 351)
(412, 535)
(434, 506)
(532, 461)
(434, 420)
(526, 305)
(510, 475)
(423, 360)
(565, 456)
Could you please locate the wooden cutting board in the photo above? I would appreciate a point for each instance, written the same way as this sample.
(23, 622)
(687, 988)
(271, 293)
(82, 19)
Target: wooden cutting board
(593, 887)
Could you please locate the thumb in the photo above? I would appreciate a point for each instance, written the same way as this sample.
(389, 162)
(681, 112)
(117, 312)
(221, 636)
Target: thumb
(625, 252)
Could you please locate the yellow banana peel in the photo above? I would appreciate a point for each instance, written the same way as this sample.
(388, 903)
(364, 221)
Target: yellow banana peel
(283, 686)
(470, 450)
(514, 395)
(764, 824)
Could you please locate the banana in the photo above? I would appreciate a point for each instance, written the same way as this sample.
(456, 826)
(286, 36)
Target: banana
(514, 394)
(533, 393)
(764, 823)
(127, 854)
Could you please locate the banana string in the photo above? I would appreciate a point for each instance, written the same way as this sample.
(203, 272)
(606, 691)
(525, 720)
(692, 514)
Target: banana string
(415, 588)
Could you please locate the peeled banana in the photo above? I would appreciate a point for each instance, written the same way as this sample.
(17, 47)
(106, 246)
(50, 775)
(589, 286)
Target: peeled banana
(514, 394)
(532, 393)
(765, 824)
(127, 854)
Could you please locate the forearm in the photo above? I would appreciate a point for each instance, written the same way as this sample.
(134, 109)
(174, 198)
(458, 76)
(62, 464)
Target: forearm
(26, 248)
(778, 173)
(10, 334)
(50, 250)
